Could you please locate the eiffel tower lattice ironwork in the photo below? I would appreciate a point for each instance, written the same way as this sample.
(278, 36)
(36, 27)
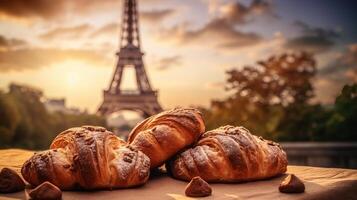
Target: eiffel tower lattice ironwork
(144, 99)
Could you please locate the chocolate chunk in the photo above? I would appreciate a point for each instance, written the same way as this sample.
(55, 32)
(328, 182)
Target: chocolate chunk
(90, 128)
(127, 159)
(292, 184)
(198, 188)
(10, 181)
(101, 129)
(46, 191)
(66, 166)
(95, 128)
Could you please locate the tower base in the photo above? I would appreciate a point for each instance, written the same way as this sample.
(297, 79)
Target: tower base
(144, 103)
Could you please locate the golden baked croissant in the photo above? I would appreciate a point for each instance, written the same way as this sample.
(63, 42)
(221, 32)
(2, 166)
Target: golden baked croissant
(229, 154)
(163, 135)
(88, 157)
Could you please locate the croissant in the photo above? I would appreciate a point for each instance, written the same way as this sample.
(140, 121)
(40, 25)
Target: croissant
(88, 158)
(163, 135)
(229, 154)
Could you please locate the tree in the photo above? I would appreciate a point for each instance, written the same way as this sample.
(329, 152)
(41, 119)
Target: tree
(284, 79)
(266, 94)
(25, 122)
(9, 117)
(342, 123)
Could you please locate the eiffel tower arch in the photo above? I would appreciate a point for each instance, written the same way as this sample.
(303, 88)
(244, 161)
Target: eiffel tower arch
(143, 100)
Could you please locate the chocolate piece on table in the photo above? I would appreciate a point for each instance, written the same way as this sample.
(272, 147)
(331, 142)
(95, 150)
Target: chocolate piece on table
(292, 184)
(198, 188)
(46, 191)
(10, 181)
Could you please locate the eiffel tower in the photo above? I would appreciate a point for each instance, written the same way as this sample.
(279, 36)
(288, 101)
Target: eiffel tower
(144, 99)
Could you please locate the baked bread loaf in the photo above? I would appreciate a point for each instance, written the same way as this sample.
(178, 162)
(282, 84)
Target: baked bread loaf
(88, 158)
(163, 135)
(229, 154)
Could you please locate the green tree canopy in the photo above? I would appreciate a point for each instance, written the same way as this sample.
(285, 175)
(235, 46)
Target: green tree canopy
(25, 122)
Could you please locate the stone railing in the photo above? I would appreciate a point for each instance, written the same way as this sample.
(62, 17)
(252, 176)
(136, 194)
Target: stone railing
(322, 154)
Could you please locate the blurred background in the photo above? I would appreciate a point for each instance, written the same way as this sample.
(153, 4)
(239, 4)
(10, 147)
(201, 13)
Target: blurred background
(286, 70)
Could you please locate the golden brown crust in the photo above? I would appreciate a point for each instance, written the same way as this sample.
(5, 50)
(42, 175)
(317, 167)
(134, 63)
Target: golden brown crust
(229, 154)
(163, 135)
(89, 158)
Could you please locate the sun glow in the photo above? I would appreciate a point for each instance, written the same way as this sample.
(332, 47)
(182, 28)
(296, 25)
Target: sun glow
(72, 79)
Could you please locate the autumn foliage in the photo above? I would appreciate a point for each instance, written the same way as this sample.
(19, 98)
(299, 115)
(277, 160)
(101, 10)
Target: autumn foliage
(273, 97)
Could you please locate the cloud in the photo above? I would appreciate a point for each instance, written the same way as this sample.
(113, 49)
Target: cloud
(221, 31)
(66, 32)
(215, 85)
(326, 90)
(237, 13)
(59, 9)
(313, 40)
(168, 62)
(81, 30)
(156, 15)
(7, 43)
(345, 63)
(47, 9)
(351, 75)
(218, 32)
(34, 58)
(213, 5)
(30, 8)
(315, 30)
(108, 29)
(335, 75)
(84, 7)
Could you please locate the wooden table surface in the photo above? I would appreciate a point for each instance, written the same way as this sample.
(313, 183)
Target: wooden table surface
(321, 183)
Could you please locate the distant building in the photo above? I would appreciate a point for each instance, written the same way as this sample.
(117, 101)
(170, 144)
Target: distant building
(31, 91)
(121, 124)
(118, 120)
(59, 105)
(51, 105)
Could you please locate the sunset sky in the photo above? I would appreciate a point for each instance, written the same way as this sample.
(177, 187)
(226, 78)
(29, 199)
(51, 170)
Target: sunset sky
(67, 48)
